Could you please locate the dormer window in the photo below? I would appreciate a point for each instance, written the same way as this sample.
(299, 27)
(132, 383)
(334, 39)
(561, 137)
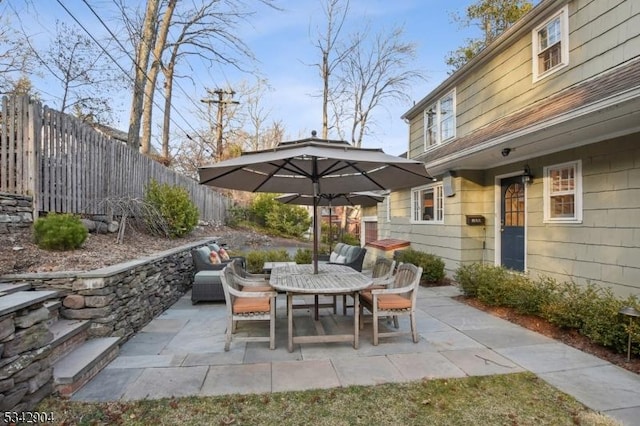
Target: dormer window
(440, 121)
(551, 45)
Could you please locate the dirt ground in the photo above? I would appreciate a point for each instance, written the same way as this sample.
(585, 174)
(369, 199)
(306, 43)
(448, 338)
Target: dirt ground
(19, 254)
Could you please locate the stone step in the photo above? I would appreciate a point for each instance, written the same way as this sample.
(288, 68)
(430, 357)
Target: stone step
(8, 288)
(67, 336)
(21, 299)
(54, 310)
(71, 372)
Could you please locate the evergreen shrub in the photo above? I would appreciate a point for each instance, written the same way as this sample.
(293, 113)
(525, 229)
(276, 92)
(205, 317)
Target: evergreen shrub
(59, 232)
(174, 205)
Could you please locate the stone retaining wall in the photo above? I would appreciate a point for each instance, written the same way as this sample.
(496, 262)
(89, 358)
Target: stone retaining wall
(121, 299)
(16, 211)
(118, 301)
(26, 374)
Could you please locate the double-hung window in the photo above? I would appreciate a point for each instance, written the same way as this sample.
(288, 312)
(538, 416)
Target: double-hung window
(440, 121)
(563, 193)
(551, 45)
(427, 204)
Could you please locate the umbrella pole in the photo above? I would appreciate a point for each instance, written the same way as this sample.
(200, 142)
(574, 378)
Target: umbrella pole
(315, 230)
(330, 233)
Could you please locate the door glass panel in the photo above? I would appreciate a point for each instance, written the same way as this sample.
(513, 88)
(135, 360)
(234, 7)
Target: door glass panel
(514, 205)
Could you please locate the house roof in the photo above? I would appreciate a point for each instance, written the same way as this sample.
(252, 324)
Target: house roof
(615, 82)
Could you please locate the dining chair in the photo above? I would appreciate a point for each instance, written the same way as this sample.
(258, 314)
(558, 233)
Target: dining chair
(397, 300)
(382, 272)
(240, 271)
(247, 306)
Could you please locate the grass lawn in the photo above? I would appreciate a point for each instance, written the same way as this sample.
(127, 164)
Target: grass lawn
(514, 399)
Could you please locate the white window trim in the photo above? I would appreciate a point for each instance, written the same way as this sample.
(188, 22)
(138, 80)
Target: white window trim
(437, 110)
(577, 193)
(564, 45)
(422, 188)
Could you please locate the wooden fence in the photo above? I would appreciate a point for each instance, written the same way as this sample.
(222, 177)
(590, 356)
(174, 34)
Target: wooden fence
(69, 167)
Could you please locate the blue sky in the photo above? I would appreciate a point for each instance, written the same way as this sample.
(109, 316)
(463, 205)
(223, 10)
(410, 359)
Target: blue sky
(282, 41)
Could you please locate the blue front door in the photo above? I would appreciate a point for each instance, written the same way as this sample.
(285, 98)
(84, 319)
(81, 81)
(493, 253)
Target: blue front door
(512, 223)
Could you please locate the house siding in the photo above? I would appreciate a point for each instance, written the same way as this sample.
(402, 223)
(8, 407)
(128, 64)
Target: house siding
(603, 34)
(604, 248)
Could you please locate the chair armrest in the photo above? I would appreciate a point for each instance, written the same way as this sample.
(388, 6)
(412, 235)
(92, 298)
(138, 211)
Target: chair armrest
(383, 281)
(251, 294)
(245, 282)
(399, 290)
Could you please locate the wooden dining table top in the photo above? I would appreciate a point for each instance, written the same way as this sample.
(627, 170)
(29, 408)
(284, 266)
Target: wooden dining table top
(330, 279)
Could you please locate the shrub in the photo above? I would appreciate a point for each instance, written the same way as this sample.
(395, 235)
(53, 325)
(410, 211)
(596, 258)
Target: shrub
(175, 207)
(261, 205)
(288, 220)
(600, 319)
(432, 266)
(59, 232)
(565, 307)
(350, 239)
(257, 258)
(303, 256)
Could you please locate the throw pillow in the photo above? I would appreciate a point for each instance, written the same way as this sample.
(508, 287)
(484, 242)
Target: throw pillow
(340, 259)
(214, 258)
(223, 254)
(333, 256)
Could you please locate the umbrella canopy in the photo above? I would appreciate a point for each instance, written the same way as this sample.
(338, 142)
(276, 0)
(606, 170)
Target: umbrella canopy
(364, 199)
(312, 167)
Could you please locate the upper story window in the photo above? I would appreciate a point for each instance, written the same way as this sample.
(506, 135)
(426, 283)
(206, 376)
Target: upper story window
(551, 45)
(440, 121)
(563, 193)
(427, 204)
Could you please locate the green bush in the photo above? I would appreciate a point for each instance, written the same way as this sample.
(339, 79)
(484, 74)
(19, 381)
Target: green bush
(287, 220)
(432, 266)
(174, 206)
(303, 256)
(591, 310)
(261, 205)
(350, 239)
(257, 258)
(600, 320)
(59, 232)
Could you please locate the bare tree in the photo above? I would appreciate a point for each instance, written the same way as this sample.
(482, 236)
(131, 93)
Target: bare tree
(141, 65)
(152, 77)
(83, 72)
(14, 57)
(373, 73)
(335, 13)
(493, 17)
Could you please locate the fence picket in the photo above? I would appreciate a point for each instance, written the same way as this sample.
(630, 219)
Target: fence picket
(71, 167)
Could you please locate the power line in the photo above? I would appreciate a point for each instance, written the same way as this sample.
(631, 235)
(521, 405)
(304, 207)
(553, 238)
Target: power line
(120, 66)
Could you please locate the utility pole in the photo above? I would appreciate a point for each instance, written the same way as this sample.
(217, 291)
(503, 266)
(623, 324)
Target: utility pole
(224, 97)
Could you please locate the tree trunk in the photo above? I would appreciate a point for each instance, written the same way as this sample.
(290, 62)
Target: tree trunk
(150, 88)
(166, 123)
(142, 62)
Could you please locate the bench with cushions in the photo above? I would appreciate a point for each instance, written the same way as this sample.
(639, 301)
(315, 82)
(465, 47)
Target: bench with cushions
(348, 255)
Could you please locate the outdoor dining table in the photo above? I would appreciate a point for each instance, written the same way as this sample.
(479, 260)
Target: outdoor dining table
(331, 280)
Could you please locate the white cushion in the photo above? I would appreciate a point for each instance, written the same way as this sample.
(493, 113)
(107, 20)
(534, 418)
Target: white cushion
(333, 256)
(340, 259)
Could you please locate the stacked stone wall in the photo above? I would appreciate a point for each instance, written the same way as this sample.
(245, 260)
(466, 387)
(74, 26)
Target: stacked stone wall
(16, 211)
(118, 301)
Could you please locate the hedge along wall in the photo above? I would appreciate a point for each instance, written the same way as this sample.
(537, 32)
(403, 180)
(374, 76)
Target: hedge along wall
(121, 299)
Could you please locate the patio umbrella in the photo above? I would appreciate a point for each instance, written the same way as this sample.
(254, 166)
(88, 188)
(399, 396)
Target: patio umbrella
(315, 166)
(364, 199)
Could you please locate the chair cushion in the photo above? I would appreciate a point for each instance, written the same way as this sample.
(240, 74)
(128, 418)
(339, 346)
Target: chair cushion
(351, 253)
(339, 259)
(257, 288)
(333, 256)
(248, 305)
(387, 301)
